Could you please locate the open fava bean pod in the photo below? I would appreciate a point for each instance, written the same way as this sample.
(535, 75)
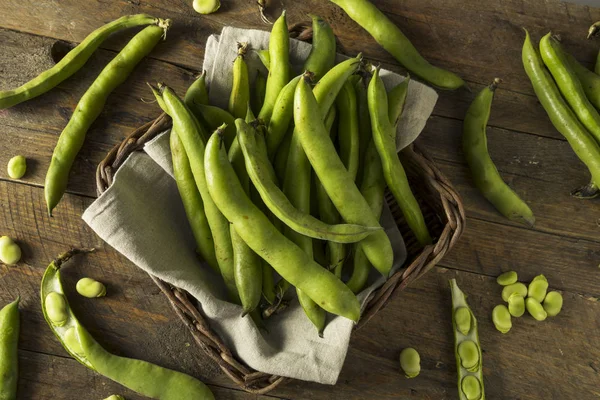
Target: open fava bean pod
(466, 347)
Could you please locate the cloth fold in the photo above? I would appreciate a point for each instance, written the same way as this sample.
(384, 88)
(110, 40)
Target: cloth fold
(142, 217)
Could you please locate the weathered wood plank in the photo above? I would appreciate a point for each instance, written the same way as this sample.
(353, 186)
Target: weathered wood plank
(454, 35)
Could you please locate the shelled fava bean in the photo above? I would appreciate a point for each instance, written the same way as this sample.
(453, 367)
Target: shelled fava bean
(17, 166)
(115, 397)
(410, 361)
(90, 288)
(10, 252)
(501, 318)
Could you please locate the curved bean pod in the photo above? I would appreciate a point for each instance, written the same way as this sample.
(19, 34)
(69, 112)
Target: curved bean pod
(73, 61)
(364, 120)
(589, 80)
(240, 91)
(322, 54)
(281, 117)
(569, 85)
(192, 202)
(335, 178)
(561, 116)
(291, 262)
(484, 172)
(260, 87)
(384, 136)
(9, 337)
(90, 106)
(264, 57)
(262, 175)
(191, 138)
(279, 66)
(391, 38)
(197, 93)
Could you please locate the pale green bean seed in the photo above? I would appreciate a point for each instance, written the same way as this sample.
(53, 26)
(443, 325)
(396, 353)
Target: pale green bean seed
(462, 317)
(410, 361)
(538, 288)
(115, 397)
(507, 278)
(72, 342)
(17, 166)
(471, 387)
(468, 351)
(56, 308)
(90, 288)
(553, 303)
(10, 252)
(501, 318)
(535, 309)
(514, 288)
(206, 6)
(516, 305)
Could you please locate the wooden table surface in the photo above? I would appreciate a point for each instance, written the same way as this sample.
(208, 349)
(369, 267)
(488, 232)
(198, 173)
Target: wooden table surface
(478, 39)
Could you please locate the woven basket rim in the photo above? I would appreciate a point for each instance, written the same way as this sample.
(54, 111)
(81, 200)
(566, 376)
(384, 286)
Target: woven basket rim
(245, 377)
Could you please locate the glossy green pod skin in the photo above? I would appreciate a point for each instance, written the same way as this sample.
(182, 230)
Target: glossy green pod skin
(391, 38)
(322, 54)
(289, 260)
(483, 171)
(91, 105)
(9, 360)
(240, 91)
(197, 93)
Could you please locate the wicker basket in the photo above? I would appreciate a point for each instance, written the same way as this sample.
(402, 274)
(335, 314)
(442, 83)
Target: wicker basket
(444, 215)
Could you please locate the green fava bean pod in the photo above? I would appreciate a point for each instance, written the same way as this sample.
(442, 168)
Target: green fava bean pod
(9, 360)
(501, 318)
(279, 66)
(281, 117)
(213, 117)
(142, 377)
(262, 175)
(467, 348)
(192, 202)
(17, 166)
(384, 136)
(397, 100)
(264, 57)
(535, 309)
(240, 91)
(90, 106)
(73, 61)
(537, 288)
(569, 85)
(507, 278)
(197, 93)
(410, 362)
(348, 129)
(483, 171)
(334, 176)
(391, 38)
(260, 87)
(290, 261)
(589, 80)
(322, 54)
(90, 288)
(516, 305)
(553, 303)
(518, 288)
(191, 137)
(561, 115)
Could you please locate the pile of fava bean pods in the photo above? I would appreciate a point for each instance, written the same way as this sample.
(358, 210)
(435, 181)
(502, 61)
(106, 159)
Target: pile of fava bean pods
(285, 188)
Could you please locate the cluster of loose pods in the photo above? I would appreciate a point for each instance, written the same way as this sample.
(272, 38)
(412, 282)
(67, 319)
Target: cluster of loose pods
(534, 298)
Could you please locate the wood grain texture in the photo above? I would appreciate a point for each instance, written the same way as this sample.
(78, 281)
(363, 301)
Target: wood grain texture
(477, 39)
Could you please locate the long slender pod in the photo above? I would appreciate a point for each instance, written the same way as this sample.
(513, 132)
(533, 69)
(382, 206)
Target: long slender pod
(90, 106)
(322, 54)
(391, 38)
(384, 136)
(467, 348)
(73, 61)
(240, 91)
(9, 360)
(197, 93)
(484, 172)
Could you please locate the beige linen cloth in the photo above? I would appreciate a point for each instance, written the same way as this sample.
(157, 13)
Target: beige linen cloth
(142, 217)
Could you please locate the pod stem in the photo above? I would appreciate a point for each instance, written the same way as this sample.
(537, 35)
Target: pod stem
(242, 48)
(588, 191)
(165, 24)
(495, 84)
(308, 76)
(594, 29)
(66, 256)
